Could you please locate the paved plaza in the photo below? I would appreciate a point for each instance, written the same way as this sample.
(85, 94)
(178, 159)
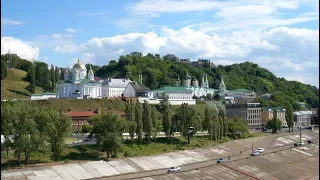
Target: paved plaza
(290, 164)
(98, 169)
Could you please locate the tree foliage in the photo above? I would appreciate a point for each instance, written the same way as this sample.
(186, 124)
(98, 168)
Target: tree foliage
(108, 129)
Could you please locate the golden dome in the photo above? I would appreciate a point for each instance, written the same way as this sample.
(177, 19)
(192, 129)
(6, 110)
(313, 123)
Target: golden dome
(79, 65)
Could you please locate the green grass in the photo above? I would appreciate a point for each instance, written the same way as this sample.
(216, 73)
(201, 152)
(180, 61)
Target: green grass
(14, 87)
(92, 151)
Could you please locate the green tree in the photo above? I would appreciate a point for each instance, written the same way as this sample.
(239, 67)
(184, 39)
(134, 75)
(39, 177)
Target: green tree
(4, 69)
(86, 128)
(156, 122)
(289, 117)
(31, 78)
(209, 116)
(108, 129)
(56, 74)
(132, 124)
(188, 117)
(237, 127)
(138, 119)
(147, 121)
(57, 129)
(167, 124)
(52, 78)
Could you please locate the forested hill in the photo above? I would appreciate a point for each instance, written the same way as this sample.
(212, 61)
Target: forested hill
(159, 71)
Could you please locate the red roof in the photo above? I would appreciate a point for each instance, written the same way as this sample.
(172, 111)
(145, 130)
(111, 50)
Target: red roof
(97, 78)
(80, 113)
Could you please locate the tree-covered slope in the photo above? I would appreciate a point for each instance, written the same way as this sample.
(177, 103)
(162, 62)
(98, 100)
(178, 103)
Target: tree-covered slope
(159, 71)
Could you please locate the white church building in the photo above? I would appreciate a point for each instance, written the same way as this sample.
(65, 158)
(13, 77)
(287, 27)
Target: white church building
(78, 84)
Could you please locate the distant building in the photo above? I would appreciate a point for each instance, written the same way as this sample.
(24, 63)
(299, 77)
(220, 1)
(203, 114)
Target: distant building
(185, 60)
(114, 87)
(267, 96)
(139, 91)
(249, 111)
(268, 112)
(302, 118)
(79, 84)
(302, 105)
(80, 118)
(176, 95)
(198, 90)
(43, 96)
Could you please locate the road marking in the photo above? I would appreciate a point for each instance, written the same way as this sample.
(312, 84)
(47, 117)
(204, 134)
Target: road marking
(302, 152)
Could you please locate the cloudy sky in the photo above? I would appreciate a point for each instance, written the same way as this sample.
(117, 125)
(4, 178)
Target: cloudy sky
(280, 35)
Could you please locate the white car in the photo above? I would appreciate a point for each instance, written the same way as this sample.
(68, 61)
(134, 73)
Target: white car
(260, 150)
(174, 169)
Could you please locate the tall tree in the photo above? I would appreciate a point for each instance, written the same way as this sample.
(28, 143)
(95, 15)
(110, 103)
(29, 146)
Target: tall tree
(32, 78)
(147, 121)
(57, 74)
(58, 128)
(208, 122)
(132, 124)
(166, 116)
(4, 69)
(138, 119)
(156, 122)
(52, 78)
(289, 117)
(108, 129)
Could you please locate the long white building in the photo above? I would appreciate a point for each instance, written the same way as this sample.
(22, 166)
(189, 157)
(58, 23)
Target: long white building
(114, 87)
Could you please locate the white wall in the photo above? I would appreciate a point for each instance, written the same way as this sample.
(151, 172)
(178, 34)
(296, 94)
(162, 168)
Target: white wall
(129, 91)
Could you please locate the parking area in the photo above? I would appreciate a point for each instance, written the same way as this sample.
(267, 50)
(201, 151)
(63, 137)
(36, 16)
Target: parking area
(296, 163)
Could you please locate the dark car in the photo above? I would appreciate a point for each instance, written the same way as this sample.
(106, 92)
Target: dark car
(263, 129)
(87, 139)
(221, 160)
(310, 141)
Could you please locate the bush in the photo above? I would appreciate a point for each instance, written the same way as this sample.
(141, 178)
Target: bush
(224, 140)
(115, 156)
(129, 153)
(179, 147)
(86, 128)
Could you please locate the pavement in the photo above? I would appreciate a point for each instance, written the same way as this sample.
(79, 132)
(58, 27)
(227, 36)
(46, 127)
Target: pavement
(137, 167)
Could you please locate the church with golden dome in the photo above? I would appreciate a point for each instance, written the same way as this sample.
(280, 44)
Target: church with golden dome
(79, 84)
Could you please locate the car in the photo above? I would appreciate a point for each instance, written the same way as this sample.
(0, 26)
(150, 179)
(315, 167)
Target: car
(260, 150)
(310, 141)
(263, 129)
(221, 160)
(174, 169)
(256, 153)
(87, 139)
(299, 143)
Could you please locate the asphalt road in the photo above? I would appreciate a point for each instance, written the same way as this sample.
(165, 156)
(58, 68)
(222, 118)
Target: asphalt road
(265, 143)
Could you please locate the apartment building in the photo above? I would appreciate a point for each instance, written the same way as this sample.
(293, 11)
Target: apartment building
(302, 118)
(267, 114)
(249, 111)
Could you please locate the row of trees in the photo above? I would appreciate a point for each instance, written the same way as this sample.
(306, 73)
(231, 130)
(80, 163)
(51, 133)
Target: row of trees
(144, 121)
(29, 129)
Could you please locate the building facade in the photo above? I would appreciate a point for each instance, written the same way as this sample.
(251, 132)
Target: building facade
(176, 95)
(250, 112)
(267, 114)
(43, 96)
(114, 87)
(78, 84)
(302, 118)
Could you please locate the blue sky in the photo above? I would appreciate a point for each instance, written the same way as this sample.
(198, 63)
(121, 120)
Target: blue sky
(280, 35)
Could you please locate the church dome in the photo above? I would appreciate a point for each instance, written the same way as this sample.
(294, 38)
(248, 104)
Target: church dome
(79, 65)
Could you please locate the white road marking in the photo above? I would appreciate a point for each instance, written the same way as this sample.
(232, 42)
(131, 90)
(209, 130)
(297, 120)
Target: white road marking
(302, 152)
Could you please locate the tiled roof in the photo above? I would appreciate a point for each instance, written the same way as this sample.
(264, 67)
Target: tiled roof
(117, 82)
(80, 113)
(173, 88)
(139, 87)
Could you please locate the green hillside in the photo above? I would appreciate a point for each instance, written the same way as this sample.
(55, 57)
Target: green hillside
(14, 86)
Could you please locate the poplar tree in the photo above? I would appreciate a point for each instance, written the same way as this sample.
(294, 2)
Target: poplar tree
(147, 121)
(138, 119)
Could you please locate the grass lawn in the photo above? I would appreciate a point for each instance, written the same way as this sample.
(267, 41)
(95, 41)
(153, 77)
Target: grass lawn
(71, 139)
(92, 152)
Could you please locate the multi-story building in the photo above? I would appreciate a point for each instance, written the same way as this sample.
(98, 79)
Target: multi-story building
(176, 95)
(249, 111)
(114, 87)
(302, 118)
(267, 114)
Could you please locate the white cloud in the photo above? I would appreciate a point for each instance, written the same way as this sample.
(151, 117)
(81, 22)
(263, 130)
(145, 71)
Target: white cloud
(22, 49)
(283, 50)
(70, 30)
(5, 21)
